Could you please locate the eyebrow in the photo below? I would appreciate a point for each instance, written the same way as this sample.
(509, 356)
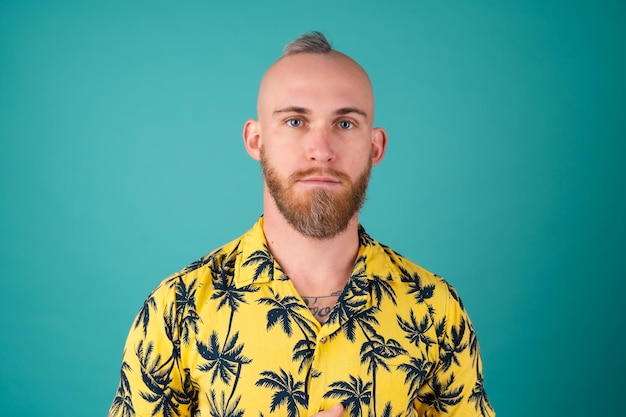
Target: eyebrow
(302, 110)
(292, 109)
(348, 110)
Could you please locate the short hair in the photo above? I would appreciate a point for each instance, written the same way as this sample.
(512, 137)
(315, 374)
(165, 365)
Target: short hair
(311, 42)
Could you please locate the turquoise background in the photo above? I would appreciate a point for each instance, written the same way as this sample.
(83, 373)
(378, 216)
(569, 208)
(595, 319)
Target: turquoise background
(121, 161)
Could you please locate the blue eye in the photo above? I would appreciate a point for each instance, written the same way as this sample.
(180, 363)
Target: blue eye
(344, 124)
(294, 122)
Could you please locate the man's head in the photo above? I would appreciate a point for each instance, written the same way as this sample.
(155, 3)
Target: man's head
(314, 137)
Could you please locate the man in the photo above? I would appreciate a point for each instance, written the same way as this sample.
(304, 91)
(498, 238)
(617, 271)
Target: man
(305, 314)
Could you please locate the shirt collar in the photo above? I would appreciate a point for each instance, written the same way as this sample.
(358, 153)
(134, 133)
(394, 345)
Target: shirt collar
(256, 265)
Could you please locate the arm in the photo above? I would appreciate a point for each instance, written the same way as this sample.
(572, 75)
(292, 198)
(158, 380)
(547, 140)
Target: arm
(151, 378)
(456, 385)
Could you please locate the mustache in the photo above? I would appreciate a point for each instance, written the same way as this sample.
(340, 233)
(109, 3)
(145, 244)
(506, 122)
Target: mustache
(327, 172)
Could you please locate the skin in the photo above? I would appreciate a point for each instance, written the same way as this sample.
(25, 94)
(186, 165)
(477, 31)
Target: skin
(315, 111)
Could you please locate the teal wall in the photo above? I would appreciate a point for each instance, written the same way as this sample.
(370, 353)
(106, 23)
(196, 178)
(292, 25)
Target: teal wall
(121, 161)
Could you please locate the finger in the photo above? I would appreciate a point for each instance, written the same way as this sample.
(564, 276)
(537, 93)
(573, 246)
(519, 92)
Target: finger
(331, 412)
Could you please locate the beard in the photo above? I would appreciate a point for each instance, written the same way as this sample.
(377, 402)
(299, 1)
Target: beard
(317, 213)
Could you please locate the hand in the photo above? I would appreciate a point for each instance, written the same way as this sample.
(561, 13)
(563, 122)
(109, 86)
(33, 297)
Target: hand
(333, 412)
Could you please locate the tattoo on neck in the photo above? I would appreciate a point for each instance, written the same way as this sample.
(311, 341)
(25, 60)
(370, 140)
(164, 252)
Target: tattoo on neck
(321, 305)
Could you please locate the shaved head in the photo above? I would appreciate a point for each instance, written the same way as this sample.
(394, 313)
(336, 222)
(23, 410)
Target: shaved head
(315, 72)
(310, 61)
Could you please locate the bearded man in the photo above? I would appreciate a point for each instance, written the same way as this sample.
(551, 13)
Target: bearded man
(305, 314)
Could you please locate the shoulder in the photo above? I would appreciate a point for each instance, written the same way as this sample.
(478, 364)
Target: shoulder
(382, 258)
(423, 285)
(199, 273)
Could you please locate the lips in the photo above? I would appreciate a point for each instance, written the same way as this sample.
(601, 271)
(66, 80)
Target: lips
(321, 179)
(319, 176)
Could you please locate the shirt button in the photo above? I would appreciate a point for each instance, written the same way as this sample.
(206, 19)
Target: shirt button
(323, 339)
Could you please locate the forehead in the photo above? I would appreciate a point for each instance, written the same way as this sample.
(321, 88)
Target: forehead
(316, 81)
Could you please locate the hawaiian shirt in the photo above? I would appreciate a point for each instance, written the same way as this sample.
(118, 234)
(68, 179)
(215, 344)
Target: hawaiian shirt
(230, 336)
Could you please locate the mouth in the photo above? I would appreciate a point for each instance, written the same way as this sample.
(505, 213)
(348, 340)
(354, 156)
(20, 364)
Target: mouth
(320, 177)
(319, 180)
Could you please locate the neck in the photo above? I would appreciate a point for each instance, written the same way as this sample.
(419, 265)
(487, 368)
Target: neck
(315, 266)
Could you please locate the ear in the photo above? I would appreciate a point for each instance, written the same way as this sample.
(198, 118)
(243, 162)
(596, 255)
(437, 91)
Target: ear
(379, 145)
(252, 138)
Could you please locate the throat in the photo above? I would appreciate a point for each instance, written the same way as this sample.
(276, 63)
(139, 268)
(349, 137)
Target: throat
(321, 305)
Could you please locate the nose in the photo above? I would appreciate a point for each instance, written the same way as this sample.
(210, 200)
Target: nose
(320, 146)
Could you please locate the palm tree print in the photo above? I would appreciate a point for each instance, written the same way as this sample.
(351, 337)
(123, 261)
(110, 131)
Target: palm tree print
(392, 255)
(157, 379)
(284, 310)
(378, 287)
(225, 363)
(186, 309)
(229, 295)
(143, 318)
(451, 348)
(350, 305)
(191, 391)
(264, 261)
(170, 327)
(375, 353)
(421, 293)
(355, 394)
(443, 394)
(479, 397)
(303, 352)
(473, 346)
(452, 292)
(288, 391)
(388, 411)
(416, 372)
(223, 409)
(364, 238)
(417, 333)
(197, 264)
(381, 289)
(122, 403)
(224, 287)
(365, 320)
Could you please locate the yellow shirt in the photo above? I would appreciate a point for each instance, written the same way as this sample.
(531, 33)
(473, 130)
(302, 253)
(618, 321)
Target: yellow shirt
(230, 336)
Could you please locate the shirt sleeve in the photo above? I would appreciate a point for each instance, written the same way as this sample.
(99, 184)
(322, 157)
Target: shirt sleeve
(455, 387)
(152, 382)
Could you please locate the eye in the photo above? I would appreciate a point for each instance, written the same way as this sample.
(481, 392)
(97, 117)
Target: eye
(345, 124)
(294, 122)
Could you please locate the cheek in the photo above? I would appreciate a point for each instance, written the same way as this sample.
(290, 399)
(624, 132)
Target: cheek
(279, 149)
(274, 152)
(278, 161)
(359, 158)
